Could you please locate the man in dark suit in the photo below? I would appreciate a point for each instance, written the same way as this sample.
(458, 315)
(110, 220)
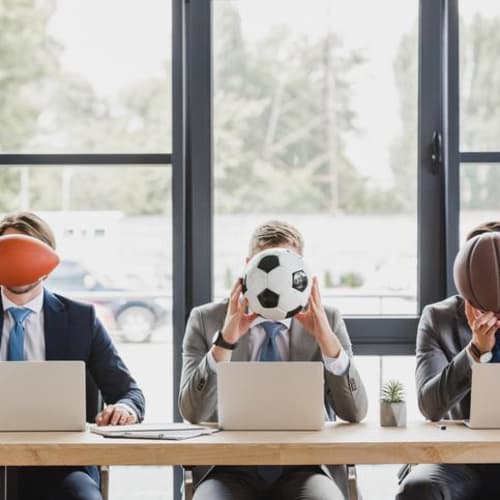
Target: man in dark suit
(452, 336)
(224, 331)
(38, 325)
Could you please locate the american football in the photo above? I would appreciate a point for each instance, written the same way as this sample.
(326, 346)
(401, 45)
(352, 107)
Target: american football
(24, 260)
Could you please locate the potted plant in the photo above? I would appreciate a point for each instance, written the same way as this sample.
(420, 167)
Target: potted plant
(392, 404)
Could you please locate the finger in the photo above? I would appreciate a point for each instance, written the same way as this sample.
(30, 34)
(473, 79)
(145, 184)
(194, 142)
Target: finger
(124, 416)
(235, 286)
(132, 419)
(485, 320)
(487, 326)
(115, 418)
(105, 416)
(468, 312)
(251, 317)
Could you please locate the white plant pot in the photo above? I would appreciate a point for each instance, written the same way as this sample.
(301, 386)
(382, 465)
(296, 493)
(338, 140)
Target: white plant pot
(392, 414)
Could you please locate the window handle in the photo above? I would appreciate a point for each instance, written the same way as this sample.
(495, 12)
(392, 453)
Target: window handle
(436, 152)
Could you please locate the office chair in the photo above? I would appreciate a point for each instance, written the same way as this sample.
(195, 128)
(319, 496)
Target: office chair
(352, 483)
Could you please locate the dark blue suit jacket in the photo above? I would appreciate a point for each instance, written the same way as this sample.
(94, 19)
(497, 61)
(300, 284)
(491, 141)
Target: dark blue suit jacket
(73, 333)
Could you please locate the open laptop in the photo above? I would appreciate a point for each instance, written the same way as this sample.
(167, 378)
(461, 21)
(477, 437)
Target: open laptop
(42, 396)
(485, 399)
(270, 395)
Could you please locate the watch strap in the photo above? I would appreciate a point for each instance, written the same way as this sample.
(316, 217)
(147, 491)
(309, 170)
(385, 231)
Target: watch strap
(220, 341)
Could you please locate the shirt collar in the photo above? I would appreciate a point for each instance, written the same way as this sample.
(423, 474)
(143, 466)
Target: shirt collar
(34, 304)
(257, 321)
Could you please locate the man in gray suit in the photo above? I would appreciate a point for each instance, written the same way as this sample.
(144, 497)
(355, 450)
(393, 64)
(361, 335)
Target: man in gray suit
(452, 336)
(226, 331)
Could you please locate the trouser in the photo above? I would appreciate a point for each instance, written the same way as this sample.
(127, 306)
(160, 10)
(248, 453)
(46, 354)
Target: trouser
(246, 483)
(451, 482)
(58, 483)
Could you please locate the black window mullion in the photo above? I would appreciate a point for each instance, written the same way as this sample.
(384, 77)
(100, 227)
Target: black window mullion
(451, 76)
(85, 159)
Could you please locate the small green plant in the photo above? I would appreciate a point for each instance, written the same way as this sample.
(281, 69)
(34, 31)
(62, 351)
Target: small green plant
(393, 391)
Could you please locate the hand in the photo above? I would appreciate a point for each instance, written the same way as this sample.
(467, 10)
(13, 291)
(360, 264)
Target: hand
(483, 325)
(237, 321)
(315, 321)
(115, 415)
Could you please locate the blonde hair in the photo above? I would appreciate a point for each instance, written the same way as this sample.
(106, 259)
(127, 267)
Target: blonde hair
(275, 233)
(30, 224)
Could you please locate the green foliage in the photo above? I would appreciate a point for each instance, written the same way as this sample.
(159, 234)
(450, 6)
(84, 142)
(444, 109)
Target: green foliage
(351, 279)
(328, 279)
(392, 392)
(283, 116)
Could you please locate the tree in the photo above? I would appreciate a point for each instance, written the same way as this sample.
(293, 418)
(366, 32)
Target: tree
(283, 114)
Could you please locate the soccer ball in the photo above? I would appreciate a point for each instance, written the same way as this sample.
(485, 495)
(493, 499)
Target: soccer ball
(276, 283)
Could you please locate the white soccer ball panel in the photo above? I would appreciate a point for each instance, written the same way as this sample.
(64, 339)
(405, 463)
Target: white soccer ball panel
(291, 261)
(279, 280)
(274, 314)
(256, 280)
(253, 302)
(292, 299)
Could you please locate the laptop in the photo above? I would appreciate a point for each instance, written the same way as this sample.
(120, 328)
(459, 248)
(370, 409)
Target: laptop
(270, 395)
(42, 396)
(485, 400)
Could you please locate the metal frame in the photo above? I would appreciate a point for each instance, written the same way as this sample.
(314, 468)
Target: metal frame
(85, 159)
(370, 335)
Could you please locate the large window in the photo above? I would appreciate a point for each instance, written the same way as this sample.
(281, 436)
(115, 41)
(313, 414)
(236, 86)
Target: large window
(85, 141)
(85, 76)
(315, 122)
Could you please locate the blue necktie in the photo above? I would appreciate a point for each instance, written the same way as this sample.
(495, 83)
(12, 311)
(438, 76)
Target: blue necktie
(269, 350)
(15, 347)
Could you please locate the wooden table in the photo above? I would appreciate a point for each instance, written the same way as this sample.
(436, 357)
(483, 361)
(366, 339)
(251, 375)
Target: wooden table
(338, 443)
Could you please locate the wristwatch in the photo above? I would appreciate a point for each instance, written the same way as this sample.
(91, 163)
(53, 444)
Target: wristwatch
(480, 357)
(219, 340)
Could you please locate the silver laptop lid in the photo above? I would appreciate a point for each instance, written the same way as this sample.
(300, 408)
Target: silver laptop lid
(42, 396)
(270, 395)
(485, 399)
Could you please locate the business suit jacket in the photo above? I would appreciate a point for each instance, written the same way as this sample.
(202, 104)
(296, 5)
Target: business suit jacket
(344, 395)
(443, 372)
(72, 332)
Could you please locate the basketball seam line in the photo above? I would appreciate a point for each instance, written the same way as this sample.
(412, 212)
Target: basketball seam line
(468, 274)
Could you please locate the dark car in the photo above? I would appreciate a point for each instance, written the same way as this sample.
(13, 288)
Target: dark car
(134, 315)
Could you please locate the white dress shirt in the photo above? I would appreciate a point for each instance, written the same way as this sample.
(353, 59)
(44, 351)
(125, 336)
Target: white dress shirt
(257, 335)
(34, 337)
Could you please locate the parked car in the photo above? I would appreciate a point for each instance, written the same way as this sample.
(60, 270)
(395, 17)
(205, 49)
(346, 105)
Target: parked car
(134, 315)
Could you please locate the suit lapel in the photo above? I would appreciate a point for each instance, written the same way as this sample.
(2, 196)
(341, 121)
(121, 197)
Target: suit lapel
(302, 344)
(56, 330)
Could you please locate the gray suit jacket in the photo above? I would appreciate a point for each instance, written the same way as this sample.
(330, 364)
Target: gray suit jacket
(443, 372)
(345, 396)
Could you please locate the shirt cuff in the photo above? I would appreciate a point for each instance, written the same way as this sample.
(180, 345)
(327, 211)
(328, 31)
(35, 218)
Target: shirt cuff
(212, 364)
(472, 361)
(129, 409)
(339, 365)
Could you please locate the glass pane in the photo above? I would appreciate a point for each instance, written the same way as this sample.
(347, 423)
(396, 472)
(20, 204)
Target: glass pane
(479, 77)
(479, 200)
(315, 122)
(87, 76)
(113, 227)
(378, 482)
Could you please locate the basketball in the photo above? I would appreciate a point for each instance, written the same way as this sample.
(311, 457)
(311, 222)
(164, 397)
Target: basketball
(477, 271)
(24, 260)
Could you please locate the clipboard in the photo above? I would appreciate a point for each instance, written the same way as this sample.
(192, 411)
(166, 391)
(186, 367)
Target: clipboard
(168, 432)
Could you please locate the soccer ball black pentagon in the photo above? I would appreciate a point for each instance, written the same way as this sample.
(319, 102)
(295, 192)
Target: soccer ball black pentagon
(276, 283)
